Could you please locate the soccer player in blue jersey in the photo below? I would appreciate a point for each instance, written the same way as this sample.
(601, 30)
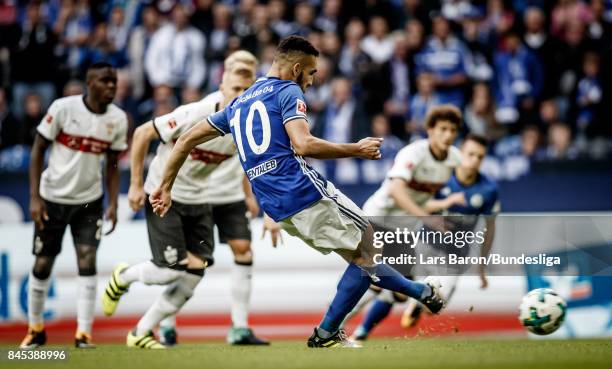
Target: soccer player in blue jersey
(269, 126)
(481, 199)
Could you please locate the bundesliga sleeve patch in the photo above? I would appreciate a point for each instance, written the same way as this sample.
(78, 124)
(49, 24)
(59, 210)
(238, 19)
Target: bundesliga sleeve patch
(300, 107)
(49, 119)
(172, 123)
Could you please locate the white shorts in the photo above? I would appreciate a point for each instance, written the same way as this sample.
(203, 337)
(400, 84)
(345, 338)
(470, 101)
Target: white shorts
(332, 223)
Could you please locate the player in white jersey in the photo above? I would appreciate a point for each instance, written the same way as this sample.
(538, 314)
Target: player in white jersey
(418, 172)
(82, 131)
(182, 244)
(227, 190)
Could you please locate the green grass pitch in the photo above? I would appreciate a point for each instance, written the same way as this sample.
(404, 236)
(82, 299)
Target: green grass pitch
(379, 354)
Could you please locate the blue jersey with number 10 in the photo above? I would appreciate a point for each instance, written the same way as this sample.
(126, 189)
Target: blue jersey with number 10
(282, 181)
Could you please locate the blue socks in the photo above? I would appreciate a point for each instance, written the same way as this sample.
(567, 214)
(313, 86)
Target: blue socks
(377, 313)
(388, 278)
(353, 284)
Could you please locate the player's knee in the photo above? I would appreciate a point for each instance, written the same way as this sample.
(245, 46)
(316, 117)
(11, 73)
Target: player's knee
(242, 251)
(42, 267)
(86, 260)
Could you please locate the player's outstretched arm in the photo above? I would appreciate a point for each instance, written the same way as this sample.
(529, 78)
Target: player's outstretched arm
(397, 191)
(38, 212)
(143, 135)
(305, 144)
(438, 205)
(198, 134)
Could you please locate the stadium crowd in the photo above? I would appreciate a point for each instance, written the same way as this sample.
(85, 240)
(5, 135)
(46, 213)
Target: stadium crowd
(528, 74)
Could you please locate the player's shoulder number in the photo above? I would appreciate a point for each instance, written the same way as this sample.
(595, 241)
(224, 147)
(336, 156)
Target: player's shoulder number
(260, 108)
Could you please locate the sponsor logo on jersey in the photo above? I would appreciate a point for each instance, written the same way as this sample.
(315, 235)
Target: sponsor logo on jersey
(84, 144)
(208, 157)
(261, 169)
(172, 123)
(300, 107)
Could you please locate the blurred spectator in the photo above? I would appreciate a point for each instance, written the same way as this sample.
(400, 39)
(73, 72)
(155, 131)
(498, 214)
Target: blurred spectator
(387, 86)
(425, 98)
(546, 48)
(10, 129)
(560, 143)
(330, 18)
(125, 100)
(479, 115)
(243, 18)
(330, 46)
(101, 49)
(202, 17)
(378, 44)
(499, 20)
(574, 48)
(73, 87)
(276, 11)
(176, 54)
(218, 39)
(478, 43)
(589, 94)
(456, 10)
(118, 29)
(396, 71)
(140, 39)
(391, 144)
(519, 80)
(354, 62)
(266, 58)
(565, 13)
(415, 36)
(73, 26)
(33, 60)
(444, 56)
(599, 29)
(343, 119)
(515, 154)
(549, 113)
(375, 171)
(319, 94)
(33, 114)
(304, 19)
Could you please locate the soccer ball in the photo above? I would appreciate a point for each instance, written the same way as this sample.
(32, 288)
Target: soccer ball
(542, 311)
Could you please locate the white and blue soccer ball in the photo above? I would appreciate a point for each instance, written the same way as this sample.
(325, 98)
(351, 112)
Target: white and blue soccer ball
(542, 311)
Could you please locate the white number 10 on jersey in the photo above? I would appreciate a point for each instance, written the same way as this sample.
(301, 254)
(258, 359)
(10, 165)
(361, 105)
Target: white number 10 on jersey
(260, 108)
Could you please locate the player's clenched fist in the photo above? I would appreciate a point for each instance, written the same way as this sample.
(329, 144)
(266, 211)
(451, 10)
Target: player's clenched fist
(136, 197)
(160, 201)
(369, 148)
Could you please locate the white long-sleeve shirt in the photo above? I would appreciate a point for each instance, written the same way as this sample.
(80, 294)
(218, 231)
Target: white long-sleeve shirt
(176, 58)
